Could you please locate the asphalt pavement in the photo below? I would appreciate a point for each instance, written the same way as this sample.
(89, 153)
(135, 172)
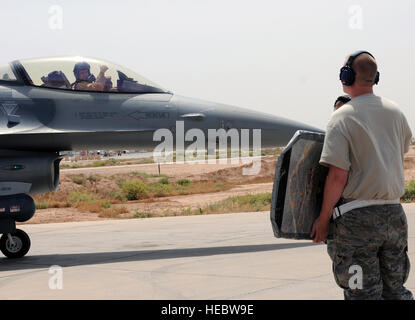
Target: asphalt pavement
(218, 256)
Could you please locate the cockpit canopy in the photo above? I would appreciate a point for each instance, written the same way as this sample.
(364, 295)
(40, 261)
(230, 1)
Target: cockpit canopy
(6, 73)
(85, 74)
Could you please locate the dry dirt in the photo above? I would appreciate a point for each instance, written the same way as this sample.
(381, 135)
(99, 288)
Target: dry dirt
(409, 164)
(213, 172)
(158, 205)
(259, 183)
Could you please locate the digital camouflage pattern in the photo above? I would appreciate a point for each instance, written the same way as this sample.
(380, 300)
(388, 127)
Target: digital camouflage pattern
(376, 239)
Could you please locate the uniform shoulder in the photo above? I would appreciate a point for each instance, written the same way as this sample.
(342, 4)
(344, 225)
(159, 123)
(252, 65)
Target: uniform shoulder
(341, 114)
(388, 102)
(361, 103)
(392, 106)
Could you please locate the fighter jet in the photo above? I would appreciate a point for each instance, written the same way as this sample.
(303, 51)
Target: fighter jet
(51, 105)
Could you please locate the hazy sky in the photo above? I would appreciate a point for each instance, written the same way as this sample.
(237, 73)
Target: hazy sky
(279, 57)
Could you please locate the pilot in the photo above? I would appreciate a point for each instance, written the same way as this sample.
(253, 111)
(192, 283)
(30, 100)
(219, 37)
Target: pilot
(85, 81)
(341, 100)
(55, 79)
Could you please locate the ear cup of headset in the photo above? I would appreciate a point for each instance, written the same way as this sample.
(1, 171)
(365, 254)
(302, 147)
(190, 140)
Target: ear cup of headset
(376, 81)
(350, 76)
(342, 75)
(347, 76)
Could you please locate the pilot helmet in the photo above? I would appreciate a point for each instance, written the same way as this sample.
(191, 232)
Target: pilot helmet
(81, 66)
(56, 76)
(54, 79)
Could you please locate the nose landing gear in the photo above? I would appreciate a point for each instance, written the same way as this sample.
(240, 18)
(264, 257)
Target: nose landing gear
(15, 244)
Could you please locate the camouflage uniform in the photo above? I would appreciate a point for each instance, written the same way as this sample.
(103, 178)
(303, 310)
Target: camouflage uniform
(376, 239)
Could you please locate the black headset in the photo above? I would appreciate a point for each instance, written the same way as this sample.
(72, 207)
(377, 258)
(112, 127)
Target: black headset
(347, 74)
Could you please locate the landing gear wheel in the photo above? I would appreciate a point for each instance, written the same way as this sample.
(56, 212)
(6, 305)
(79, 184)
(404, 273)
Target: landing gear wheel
(15, 245)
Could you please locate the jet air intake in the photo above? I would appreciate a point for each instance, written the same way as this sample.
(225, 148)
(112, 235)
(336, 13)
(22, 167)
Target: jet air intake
(24, 172)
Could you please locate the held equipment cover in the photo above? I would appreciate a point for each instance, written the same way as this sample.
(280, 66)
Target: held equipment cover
(297, 194)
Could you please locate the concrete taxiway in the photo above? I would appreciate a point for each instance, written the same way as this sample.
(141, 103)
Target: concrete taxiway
(227, 256)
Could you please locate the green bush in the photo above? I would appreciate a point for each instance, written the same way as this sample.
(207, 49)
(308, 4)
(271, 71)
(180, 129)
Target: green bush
(409, 195)
(183, 182)
(92, 178)
(261, 199)
(106, 204)
(164, 180)
(245, 203)
(78, 179)
(134, 189)
(148, 175)
(138, 214)
(117, 195)
(161, 190)
(103, 163)
(76, 197)
(42, 205)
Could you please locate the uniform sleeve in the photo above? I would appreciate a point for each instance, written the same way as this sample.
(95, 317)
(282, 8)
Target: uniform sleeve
(335, 149)
(407, 134)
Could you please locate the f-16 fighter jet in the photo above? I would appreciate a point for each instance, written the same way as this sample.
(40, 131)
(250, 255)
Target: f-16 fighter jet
(52, 105)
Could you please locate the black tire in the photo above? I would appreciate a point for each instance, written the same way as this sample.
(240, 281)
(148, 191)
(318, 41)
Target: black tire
(21, 247)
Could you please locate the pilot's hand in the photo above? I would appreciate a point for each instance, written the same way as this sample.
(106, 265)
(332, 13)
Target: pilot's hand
(320, 230)
(103, 68)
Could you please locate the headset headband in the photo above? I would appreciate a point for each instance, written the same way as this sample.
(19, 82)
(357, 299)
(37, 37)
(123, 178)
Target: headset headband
(353, 56)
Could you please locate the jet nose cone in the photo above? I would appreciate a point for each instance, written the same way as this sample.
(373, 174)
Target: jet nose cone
(205, 115)
(282, 130)
(275, 131)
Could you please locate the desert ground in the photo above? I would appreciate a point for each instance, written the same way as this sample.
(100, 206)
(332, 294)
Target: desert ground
(225, 173)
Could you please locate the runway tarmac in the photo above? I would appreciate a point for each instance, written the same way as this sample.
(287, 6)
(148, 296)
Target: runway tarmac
(226, 256)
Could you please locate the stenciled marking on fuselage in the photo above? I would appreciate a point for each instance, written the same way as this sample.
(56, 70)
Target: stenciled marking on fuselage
(95, 115)
(9, 107)
(150, 115)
